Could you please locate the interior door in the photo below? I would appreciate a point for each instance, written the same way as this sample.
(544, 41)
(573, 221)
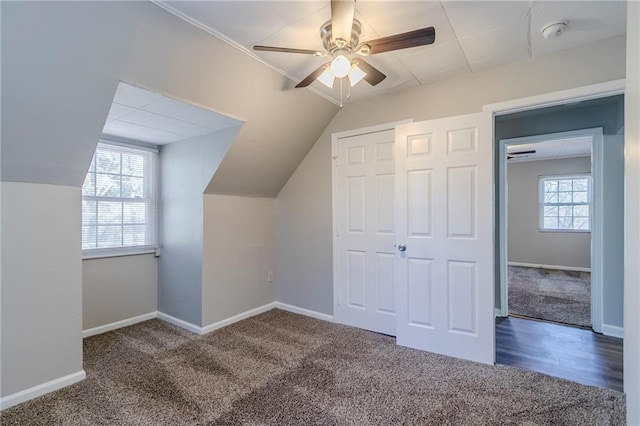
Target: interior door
(444, 203)
(366, 231)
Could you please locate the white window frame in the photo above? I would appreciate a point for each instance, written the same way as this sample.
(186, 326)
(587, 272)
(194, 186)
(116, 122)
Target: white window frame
(152, 215)
(542, 204)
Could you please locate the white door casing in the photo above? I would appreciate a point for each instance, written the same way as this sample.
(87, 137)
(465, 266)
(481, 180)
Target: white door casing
(365, 232)
(444, 206)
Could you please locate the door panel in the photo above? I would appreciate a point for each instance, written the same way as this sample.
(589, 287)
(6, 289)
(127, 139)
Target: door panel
(366, 225)
(444, 204)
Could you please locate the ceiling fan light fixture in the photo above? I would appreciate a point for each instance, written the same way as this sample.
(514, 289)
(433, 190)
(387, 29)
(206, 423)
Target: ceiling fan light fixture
(327, 77)
(340, 66)
(356, 74)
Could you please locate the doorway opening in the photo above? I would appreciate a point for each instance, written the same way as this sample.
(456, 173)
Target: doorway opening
(559, 257)
(551, 232)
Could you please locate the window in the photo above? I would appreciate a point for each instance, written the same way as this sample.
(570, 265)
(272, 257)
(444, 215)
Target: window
(119, 200)
(564, 203)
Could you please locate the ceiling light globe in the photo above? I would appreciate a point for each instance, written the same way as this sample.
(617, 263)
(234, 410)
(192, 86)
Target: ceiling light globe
(340, 66)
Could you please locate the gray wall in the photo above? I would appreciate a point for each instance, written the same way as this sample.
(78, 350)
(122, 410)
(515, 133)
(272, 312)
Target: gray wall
(613, 231)
(118, 288)
(303, 221)
(526, 243)
(239, 251)
(632, 215)
(185, 170)
(41, 312)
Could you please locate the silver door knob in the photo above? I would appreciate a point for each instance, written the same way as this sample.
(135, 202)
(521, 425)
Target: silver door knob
(402, 247)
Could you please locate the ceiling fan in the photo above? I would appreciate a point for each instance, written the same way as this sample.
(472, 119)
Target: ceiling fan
(341, 39)
(511, 155)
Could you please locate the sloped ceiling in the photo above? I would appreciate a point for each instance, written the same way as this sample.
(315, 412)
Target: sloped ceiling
(60, 67)
(281, 124)
(61, 64)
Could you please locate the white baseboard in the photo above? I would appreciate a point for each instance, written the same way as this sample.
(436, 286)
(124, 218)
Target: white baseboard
(303, 311)
(498, 313)
(244, 315)
(36, 391)
(613, 331)
(555, 267)
(180, 323)
(118, 324)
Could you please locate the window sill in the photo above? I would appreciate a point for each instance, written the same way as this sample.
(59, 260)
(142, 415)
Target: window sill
(130, 251)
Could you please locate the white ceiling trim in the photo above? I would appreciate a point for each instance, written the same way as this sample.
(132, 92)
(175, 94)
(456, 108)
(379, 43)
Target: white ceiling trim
(236, 45)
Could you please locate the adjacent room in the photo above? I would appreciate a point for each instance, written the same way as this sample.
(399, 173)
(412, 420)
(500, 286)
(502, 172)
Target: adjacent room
(320, 212)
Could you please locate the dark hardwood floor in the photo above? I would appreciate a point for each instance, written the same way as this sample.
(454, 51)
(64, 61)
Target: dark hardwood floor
(571, 353)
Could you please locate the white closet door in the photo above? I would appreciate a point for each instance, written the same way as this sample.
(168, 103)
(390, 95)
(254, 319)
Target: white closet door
(366, 231)
(445, 286)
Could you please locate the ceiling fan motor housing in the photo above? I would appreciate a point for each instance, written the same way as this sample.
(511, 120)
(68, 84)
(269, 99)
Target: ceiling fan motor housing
(333, 45)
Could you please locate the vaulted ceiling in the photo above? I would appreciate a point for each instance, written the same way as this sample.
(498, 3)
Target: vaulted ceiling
(471, 36)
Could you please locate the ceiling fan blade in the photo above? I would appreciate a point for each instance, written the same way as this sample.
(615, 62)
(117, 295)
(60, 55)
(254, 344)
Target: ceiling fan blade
(311, 77)
(533, 151)
(414, 38)
(289, 50)
(373, 76)
(342, 12)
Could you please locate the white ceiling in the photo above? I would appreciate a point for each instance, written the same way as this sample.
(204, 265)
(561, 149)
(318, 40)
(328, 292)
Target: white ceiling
(471, 36)
(552, 149)
(146, 116)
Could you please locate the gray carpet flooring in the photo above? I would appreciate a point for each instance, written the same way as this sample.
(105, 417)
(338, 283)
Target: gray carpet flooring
(280, 368)
(559, 296)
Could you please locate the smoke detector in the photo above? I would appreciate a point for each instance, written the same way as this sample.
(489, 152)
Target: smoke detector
(554, 29)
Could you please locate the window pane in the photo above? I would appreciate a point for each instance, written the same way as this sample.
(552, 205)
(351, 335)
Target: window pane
(134, 213)
(133, 164)
(580, 197)
(581, 223)
(564, 197)
(109, 212)
(88, 237)
(107, 161)
(88, 212)
(118, 197)
(107, 185)
(582, 211)
(132, 187)
(551, 211)
(109, 236)
(551, 197)
(565, 211)
(565, 222)
(565, 185)
(550, 223)
(580, 184)
(551, 186)
(89, 185)
(134, 235)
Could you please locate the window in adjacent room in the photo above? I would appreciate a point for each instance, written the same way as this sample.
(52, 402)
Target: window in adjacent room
(119, 201)
(565, 203)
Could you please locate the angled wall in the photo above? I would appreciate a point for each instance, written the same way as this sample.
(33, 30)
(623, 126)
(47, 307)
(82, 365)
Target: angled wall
(185, 170)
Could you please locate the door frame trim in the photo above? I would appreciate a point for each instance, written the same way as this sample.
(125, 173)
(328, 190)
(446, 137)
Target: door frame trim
(597, 222)
(594, 91)
(335, 139)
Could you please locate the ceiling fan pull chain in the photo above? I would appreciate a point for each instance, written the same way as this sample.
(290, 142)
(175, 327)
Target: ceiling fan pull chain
(341, 92)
